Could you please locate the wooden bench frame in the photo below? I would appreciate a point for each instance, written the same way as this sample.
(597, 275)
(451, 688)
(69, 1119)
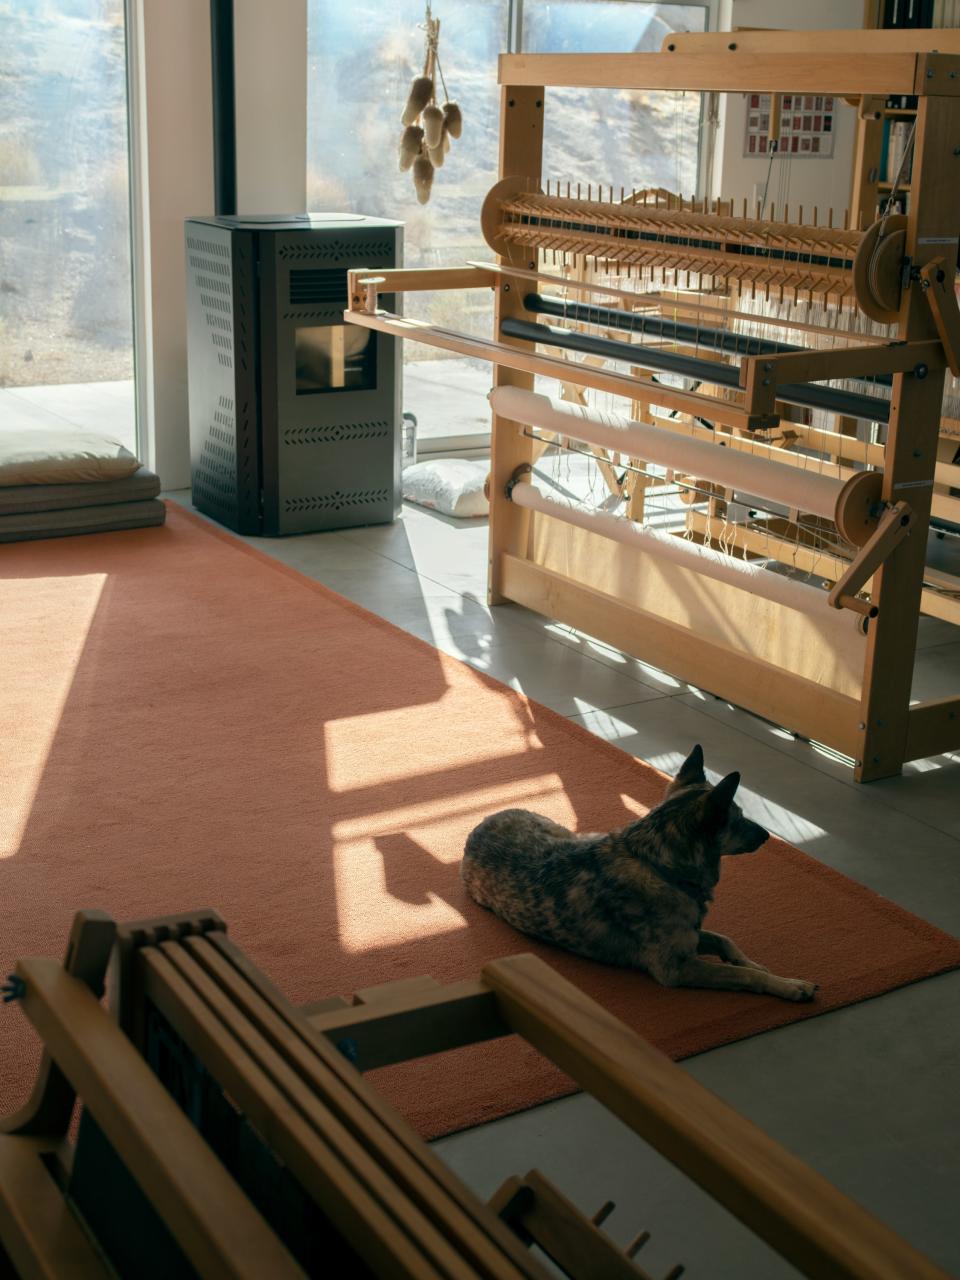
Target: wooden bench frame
(296, 1075)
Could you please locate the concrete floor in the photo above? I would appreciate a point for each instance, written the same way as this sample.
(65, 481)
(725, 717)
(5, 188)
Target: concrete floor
(867, 1095)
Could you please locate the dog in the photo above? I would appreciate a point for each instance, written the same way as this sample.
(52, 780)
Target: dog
(635, 897)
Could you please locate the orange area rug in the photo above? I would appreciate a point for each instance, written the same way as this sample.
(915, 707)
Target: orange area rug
(191, 724)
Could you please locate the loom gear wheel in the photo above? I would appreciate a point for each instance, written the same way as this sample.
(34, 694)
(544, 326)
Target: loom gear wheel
(858, 505)
(878, 266)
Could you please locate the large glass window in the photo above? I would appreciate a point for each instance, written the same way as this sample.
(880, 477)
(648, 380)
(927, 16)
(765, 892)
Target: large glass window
(66, 343)
(630, 139)
(362, 57)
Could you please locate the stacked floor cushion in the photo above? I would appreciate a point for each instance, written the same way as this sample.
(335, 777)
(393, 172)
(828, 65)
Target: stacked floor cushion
(57, 483)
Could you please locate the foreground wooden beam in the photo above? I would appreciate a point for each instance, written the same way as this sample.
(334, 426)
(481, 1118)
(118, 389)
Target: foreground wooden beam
(727, 71)
(808, 1221)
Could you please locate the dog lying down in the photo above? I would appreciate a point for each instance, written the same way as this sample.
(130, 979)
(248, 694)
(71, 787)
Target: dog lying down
(635, 897)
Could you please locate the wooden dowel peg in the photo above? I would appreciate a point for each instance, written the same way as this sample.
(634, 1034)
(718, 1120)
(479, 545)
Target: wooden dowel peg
(603, 1213)
(857, 605)
(370, 287)
(637, 1243)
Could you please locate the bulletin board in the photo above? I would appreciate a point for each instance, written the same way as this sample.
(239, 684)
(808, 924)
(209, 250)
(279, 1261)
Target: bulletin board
(806, 125)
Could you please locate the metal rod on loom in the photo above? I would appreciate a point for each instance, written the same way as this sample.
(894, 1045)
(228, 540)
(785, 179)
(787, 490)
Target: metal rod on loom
(807, 395)
(714, 339)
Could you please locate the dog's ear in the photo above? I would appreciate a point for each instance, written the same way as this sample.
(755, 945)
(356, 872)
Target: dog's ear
(691, 771)
(721, 797)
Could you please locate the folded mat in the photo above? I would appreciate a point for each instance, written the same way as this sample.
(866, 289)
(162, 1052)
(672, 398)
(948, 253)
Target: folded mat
(22, 498)
(61, 455)
(24, 526)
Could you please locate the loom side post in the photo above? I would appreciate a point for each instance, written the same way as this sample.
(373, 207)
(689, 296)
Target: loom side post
(521, 155)
(910, 461)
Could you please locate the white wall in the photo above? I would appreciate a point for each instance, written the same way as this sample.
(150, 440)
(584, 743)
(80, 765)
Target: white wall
(172, 161)
(808, 182)
(270, 46)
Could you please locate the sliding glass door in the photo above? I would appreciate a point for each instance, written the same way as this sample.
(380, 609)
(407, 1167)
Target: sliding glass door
(66, 340)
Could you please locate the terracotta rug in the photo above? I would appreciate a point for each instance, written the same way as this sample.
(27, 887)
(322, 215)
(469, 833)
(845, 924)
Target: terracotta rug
(188, 723)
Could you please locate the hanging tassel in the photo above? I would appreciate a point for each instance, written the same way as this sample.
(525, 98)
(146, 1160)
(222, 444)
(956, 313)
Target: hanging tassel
(421, 92)
(410, 145)
(432, 126)
(423, 177)
(453, 118)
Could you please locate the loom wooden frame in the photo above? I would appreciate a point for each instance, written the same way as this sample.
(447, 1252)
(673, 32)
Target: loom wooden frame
(879, 729)
(291, 1072)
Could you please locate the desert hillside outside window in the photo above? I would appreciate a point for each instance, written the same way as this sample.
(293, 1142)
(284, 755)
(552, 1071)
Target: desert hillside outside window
(361, 59)
(66, 329)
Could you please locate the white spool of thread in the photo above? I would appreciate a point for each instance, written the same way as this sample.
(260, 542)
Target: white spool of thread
(847, 502)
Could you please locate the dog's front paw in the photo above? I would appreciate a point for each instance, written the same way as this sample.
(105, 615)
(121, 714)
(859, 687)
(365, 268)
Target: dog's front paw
(799, 990)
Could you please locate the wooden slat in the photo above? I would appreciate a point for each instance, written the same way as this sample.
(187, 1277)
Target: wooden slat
(341, 1177)
(324, 1069)
(808, 709)
(42, 1237)
(727, 72)
(855, 42)
(812, 1224)
(415, 1025)
(52, 1098)
(761, 375)
(408, 280)
(212, 1220)
(933, 728)
(377, 1106)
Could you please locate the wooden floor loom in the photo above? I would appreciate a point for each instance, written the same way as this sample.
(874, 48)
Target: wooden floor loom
(226, 1133)
(658, 287)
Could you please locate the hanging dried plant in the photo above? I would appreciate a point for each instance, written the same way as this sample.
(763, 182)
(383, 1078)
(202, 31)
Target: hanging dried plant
(432, 125)
(423, 177)
(453, 119)
(421, 92)
(428, 127)
(410, 145)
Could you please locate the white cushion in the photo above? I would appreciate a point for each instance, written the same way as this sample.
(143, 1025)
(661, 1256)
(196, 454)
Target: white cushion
(37, 455)
(451, 485)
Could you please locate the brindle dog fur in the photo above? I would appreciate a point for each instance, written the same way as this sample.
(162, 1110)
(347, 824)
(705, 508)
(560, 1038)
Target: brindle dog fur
(635, 897)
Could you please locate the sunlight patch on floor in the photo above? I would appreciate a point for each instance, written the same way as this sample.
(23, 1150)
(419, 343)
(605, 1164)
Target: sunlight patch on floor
(34, 703)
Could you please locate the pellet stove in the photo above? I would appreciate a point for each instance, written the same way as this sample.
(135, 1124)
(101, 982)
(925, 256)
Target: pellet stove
(294, 416)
